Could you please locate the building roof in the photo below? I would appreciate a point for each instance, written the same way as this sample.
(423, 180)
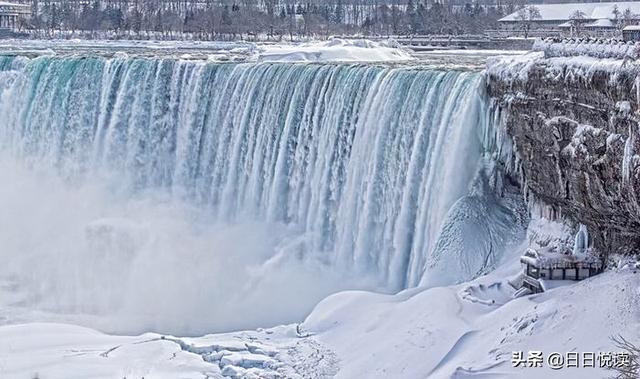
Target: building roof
(631, 27)
(560, 260)
(592, 11)
(7, 4)
(11, 9)
(601, 23)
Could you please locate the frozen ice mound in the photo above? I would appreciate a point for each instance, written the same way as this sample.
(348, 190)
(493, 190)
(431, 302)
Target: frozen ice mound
(336, 50)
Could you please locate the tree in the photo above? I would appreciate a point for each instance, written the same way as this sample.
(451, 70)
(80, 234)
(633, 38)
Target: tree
(632, 370)
(576, 19)
(211, 19)
(627, 17)
(526, 16)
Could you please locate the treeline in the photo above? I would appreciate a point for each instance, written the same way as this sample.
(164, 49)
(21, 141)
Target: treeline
(210, 19)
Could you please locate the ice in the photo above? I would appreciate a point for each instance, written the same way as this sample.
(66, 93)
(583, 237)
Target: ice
(582, 241)
(477, 230)
(559, 66)
(588, 48)
(467, 329)
(331, 50)
(336, 50)
(591, 10)
(475, 330)
(247, 360)
(163, 265)
(72, 352)
(630, 157)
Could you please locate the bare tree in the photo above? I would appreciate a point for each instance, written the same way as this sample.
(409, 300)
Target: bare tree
(241, 19)
(527, 16)
(577, 19)
(627, 17)
(632, 370)
(616, 15)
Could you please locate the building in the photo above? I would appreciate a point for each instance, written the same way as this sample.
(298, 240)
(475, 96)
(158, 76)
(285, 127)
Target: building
(597, 18)
(11, 14)
(540, 269)
(631, 33)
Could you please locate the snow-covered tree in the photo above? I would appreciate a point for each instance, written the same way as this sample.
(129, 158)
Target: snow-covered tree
(576, 19)
(632, 369)
(616, 15)
(526, 16)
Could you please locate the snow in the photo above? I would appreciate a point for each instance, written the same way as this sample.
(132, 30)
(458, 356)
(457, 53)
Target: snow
(624, 107)
(569, 62)
(517, 67)
(465, 330)
(332, 50)
(628, 157)
(478, 338)
(335, 50)
(600, 23)
(438, 330)
(446, 332)
(9, 4)
(51, 351)
(69, 352)
(590, 48)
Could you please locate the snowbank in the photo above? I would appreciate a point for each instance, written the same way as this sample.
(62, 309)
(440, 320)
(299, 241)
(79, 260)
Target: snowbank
(60, 351)
(472, 330)
(467, 330)
(599, 48)
(333, 50)
(336, 50)
(509, 69)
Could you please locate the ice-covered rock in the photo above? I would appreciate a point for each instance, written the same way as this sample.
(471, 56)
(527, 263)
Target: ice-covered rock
(575, 134)
(581, 241)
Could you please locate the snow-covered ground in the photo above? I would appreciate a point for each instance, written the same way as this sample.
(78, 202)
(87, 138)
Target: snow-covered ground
(336, 50)
(467, 330)
(472, 330)
(45, 350)
(332, 50)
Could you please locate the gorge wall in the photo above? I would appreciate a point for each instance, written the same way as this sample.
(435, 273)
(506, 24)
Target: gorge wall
(574, 126)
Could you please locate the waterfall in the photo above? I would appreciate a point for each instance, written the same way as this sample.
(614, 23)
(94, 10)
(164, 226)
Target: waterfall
(363, 161)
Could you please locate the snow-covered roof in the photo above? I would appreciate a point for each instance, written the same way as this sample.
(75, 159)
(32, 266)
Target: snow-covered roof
(560, 260)
(601, 23)
(6, 4)
(632, 27)
(592, 11)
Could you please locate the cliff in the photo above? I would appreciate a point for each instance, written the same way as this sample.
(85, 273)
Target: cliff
(574, 127)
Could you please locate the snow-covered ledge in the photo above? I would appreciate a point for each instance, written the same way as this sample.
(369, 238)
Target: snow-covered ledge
(574, 126)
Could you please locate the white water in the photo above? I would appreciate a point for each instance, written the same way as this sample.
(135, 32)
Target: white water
(187, 197)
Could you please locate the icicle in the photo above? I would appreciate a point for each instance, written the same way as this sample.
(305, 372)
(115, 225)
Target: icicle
(581, 241)
(628, 156)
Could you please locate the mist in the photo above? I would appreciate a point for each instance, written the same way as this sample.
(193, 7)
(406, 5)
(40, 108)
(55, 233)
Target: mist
(124, 262)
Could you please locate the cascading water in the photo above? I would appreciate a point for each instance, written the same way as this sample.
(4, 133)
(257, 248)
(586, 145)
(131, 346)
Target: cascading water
(358, 164)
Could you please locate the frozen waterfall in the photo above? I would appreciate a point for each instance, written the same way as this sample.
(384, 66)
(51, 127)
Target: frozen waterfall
(362, 161)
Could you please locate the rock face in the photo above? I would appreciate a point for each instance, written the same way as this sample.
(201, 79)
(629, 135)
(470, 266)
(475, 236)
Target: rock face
(576, 138)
